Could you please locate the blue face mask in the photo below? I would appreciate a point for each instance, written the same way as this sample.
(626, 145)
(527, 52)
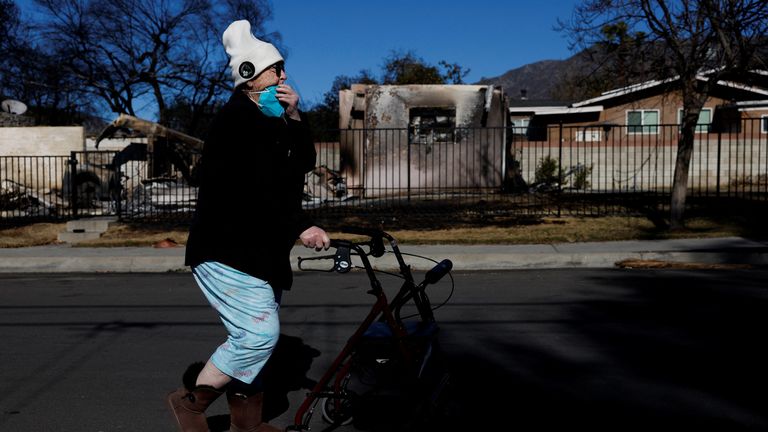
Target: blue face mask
(268, 103)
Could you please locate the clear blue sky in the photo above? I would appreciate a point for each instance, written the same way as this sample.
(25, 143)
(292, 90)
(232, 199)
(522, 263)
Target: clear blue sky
(340, 37)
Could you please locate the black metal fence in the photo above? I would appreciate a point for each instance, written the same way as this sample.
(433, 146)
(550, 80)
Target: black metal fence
(552, 170)
(583, 170)
(93, 183)
(31, 187)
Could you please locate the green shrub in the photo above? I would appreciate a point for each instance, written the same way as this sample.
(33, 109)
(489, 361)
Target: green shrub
(581, 175)
(548, 172)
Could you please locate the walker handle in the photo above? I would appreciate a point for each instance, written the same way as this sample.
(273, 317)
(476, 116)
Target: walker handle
(437, 272)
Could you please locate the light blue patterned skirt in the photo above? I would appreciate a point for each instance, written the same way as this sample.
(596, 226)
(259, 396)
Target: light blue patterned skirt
(247, 307)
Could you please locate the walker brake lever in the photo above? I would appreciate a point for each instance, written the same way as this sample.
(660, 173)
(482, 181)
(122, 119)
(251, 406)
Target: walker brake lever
(342, 262)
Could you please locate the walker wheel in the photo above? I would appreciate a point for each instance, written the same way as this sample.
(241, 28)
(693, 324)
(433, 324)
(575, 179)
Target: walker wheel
(337, 411)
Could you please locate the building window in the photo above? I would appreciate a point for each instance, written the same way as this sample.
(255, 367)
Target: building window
(704, 124)
(520, 125)
(764, 124)
(432, 125)
(587, 135)
(643, 122)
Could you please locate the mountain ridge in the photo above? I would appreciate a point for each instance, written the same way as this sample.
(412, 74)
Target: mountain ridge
(538, 80)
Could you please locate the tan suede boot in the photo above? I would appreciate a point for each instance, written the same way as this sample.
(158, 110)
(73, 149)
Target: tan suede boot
(188, 407)
(245, 413)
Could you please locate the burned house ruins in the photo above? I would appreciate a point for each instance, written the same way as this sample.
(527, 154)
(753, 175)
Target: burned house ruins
(418, 140)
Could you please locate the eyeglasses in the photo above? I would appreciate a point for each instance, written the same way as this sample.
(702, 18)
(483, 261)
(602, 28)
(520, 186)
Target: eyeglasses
(279, 68)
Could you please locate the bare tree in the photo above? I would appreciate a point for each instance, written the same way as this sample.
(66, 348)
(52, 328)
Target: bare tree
(9, 46)
(146, 55)
(454, 72)
(9, 16)
(681, 39)
(32, 75)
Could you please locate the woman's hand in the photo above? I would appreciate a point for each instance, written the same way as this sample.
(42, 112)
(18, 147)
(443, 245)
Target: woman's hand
(315, 237)
(290, 100)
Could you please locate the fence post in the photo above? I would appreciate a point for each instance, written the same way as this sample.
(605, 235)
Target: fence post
(560, 170)
(719, 142)
(118, 191)
(408, 166)
(73, 184)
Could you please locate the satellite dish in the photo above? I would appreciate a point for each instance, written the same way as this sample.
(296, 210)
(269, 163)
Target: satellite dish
(13, 106)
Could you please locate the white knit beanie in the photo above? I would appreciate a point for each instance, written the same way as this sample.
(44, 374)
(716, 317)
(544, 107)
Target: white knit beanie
(248, 56)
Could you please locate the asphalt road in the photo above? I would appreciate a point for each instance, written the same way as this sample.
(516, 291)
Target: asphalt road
(529, 350)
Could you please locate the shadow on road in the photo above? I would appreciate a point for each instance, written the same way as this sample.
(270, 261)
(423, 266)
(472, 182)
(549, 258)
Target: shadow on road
(658, 350)
(285, 371)
(628, 350)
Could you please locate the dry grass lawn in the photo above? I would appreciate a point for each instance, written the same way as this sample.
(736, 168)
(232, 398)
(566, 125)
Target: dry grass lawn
(531, 231)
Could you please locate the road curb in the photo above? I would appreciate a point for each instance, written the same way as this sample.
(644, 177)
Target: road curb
(464, 258)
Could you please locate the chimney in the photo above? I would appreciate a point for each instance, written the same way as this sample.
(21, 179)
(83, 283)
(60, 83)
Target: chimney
(523, 94)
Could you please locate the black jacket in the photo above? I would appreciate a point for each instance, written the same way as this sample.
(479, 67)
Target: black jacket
(249, 211)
